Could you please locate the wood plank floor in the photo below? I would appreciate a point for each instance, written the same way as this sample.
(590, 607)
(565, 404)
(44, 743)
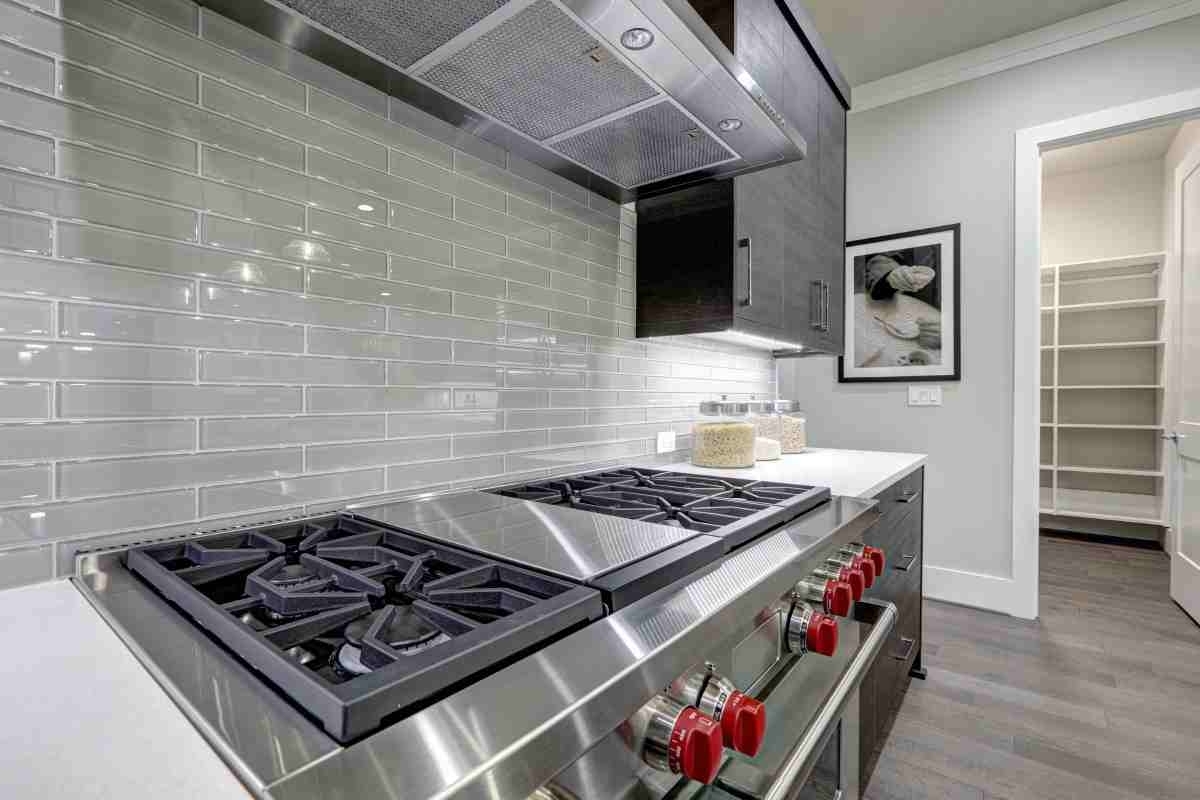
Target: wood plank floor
(1099, 699)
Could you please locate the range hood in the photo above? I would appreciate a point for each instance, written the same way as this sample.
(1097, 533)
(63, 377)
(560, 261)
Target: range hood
(630, 98)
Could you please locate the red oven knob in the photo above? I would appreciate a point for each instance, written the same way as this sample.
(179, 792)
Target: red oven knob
(808, 630)
(835, 596)
(676, 738)
(743, 719)
(864, 566)
(873, 554)
(852, 577)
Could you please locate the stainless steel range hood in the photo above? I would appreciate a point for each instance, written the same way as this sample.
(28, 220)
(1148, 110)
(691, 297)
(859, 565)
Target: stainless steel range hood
(553, 82)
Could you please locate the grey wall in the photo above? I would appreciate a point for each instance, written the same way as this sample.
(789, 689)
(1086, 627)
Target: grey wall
(947, 157)
(229, 289)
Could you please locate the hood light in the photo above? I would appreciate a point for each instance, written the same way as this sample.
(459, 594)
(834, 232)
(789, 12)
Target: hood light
(637, 39)
(730, 124)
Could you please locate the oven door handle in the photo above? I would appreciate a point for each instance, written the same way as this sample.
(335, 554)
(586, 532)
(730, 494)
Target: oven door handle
(807, 750)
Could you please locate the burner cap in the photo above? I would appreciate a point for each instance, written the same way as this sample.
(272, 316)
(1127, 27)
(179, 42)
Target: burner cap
(292, 574)
(405, 631)
(348, 660)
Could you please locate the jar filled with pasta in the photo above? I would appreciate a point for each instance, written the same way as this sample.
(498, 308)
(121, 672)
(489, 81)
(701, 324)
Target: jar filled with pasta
(724, 435)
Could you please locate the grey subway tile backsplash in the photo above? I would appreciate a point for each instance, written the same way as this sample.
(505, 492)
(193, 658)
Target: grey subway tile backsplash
(236, 283)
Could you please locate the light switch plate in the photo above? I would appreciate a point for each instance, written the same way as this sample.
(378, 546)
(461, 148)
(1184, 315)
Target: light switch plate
(925, 395)
(666, 442)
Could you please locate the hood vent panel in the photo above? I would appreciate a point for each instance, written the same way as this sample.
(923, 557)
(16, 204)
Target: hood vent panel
(541, 73)
(651, 144)
(399, 31)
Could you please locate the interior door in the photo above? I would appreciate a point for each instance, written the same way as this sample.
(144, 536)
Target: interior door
(1185, 436)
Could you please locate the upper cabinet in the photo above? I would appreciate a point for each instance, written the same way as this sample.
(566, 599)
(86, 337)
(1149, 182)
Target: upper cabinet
(759, 255)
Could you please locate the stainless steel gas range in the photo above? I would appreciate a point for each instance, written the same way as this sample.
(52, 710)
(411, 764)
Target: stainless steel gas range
(616, 634)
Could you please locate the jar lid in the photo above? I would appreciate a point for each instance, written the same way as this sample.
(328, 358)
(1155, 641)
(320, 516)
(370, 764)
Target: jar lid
(786, 406)
(725, 408)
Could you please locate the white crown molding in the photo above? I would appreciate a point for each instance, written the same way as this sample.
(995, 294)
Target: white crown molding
(1085, 30)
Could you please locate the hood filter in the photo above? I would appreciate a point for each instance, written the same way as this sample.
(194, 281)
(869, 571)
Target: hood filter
(541, 73)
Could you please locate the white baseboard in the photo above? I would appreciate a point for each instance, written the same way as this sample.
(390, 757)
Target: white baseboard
(975, 589)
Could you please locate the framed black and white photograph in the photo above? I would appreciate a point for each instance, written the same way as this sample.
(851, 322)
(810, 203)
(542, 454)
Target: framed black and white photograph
(902, 307)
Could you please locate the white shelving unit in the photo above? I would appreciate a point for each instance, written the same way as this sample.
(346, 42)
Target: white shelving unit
(1103, 341)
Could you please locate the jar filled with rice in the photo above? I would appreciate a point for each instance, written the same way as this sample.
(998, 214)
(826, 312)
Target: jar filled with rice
(724, 435)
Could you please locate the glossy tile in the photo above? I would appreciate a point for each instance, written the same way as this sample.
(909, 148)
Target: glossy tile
(265, 431)
(285, 245)
(475, 353)
(483, 308)
(23, 400)
(26, 151)
(392, 451)
(24, 483)
(364, 179)
(38, 276)
(232, 36)
(606, 222)
(370, 398)
(581, 286)
(180, 13)
(550, 259)
(403, 268)
(329, 341)
(378, 237)
(415, 118)
(584, 250)
(24, 233)
(367, 123)
(19, 567)
(116, 247)
(59, 521)
(217, 500)
(579, 324)
(151, 327)
(502, 399)
(107, 169)
(250, 173)
(88, 400)
(26, 192)
(422, 324)
(373, 290)
(247, 368)
(59, 440)
(539, 337)
(243, 302)
(492, 264)
(546, 218)
(599, 433)
(401, 373)
(405, 425)
(547, 298)
(263, 113)
(500, 178)
(544, 418)
(426, 224)
(545, 379)
(118, 476)
(485, 443)
(499, 222)
(81, 45)
(585, 361)
(544, 177)
(611, 380)
(557, 459)
(24, 317)
(430, 473)
(183, 47)
(128, 100)
(60, 360)
(421, 171)
(24, 67)
(65, 120)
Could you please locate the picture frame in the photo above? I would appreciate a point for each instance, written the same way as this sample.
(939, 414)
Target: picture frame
(902, 316)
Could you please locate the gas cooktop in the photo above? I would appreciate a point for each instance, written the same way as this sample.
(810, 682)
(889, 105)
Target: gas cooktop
(734, 509)
(354, 622)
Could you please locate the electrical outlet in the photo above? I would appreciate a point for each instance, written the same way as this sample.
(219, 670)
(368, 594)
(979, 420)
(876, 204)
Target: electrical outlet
(925, 395)
(666, 442)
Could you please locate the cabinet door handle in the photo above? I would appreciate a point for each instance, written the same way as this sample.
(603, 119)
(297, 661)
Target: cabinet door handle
(909, 496)
(908, 559)
(746, 243)
(908, 645)
(825, 298)
(816, 310)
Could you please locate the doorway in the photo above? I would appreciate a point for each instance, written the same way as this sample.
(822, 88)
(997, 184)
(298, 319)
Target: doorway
(1116, 335)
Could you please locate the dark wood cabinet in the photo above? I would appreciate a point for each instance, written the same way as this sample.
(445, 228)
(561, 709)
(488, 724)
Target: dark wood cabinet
(900, 532)
(760, 253)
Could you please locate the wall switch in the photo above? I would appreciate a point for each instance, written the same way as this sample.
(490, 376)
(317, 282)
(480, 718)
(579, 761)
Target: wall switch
(925, 395)
(666, 442)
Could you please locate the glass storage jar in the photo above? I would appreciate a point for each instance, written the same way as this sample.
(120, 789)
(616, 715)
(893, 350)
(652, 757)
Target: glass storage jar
(768, 430)
(724, 436)
(794, 432)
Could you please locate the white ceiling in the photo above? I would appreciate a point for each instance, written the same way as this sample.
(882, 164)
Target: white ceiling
(1140, 145)
(871, 39)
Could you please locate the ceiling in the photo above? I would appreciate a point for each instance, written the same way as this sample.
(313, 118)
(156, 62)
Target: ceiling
(871, 39)
(1140, 145)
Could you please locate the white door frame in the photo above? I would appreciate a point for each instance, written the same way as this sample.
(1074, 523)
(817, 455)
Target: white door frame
(1027, 213)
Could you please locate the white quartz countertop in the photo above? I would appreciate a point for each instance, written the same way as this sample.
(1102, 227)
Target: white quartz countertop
(853, 473)
(81, 718)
